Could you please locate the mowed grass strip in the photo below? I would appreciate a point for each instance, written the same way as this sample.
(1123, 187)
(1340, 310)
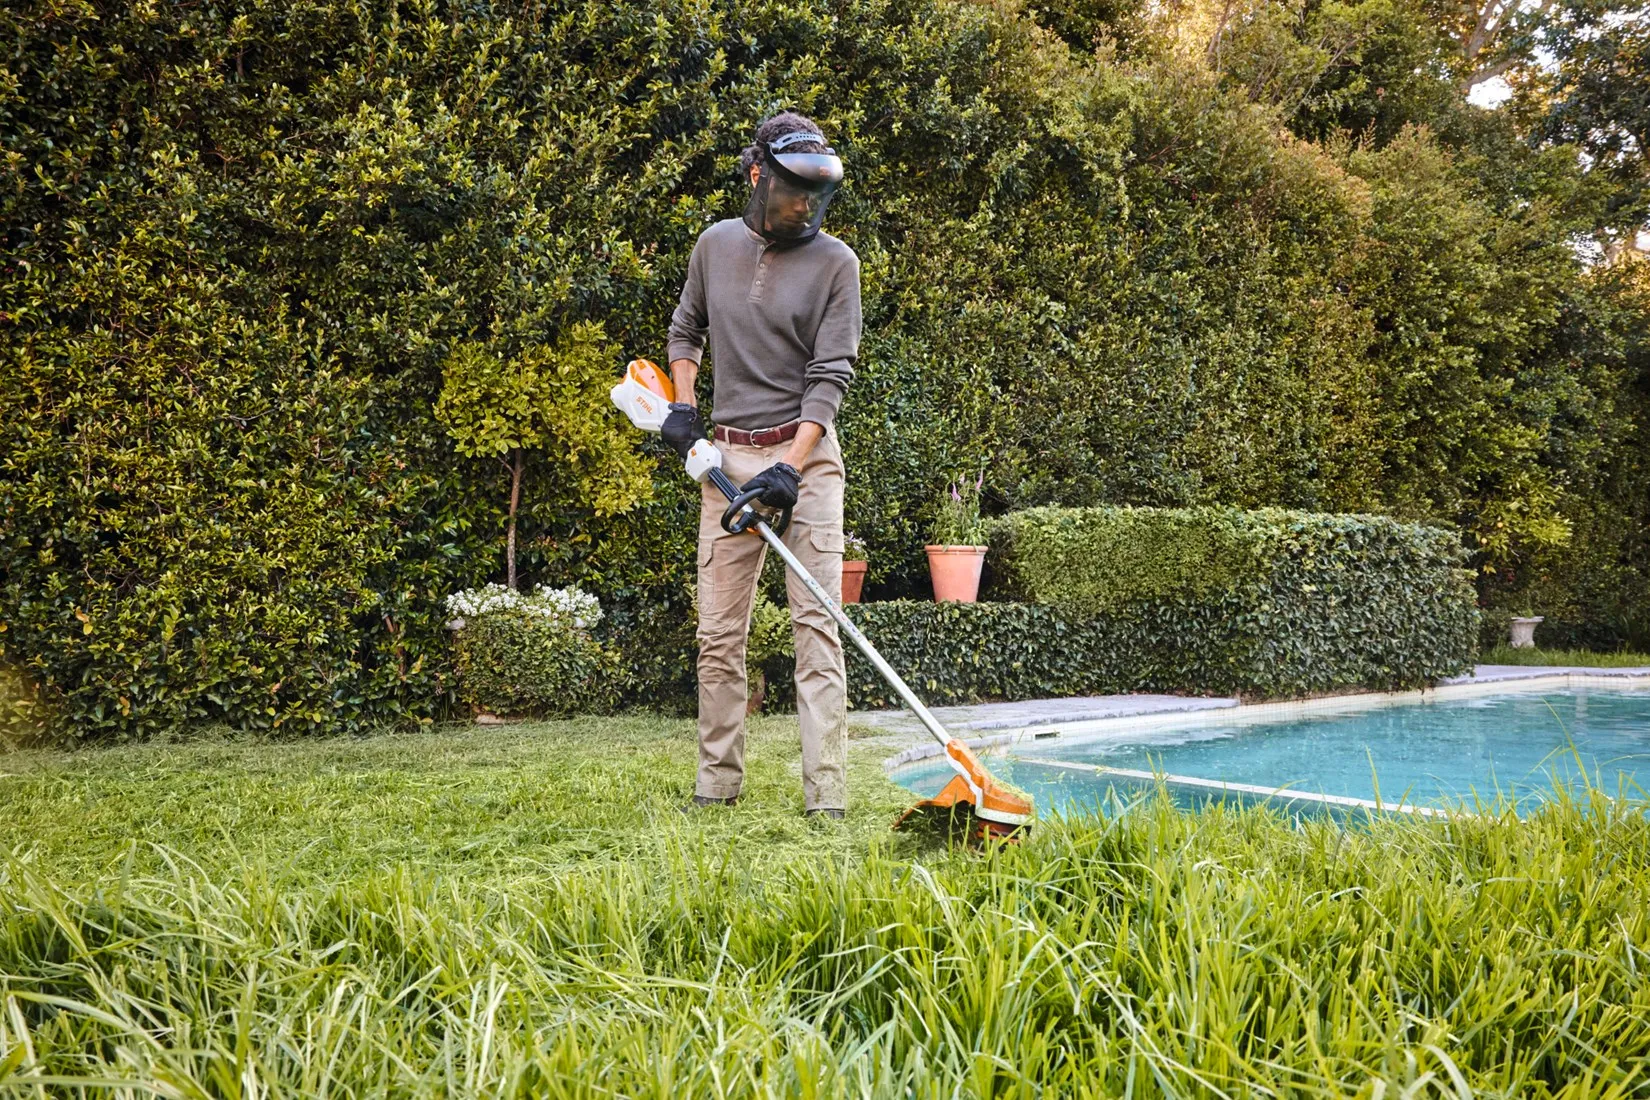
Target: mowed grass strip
(1587, 658)
(486, 803)
(461, 927)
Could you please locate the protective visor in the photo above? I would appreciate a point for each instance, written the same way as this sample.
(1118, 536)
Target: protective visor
(792, 190)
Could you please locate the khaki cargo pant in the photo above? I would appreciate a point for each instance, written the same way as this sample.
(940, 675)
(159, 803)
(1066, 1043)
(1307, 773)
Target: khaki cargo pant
(729, 566)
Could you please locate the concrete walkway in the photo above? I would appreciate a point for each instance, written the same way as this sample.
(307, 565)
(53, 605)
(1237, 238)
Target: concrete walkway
(988, 719)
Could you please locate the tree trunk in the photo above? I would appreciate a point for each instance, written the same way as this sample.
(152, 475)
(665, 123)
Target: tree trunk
(510, 540)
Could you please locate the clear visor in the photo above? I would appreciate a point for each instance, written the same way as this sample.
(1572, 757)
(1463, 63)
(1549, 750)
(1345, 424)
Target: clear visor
(789, 200)
(793, 211)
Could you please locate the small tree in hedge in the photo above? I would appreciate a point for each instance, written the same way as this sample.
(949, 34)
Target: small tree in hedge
(552, 399)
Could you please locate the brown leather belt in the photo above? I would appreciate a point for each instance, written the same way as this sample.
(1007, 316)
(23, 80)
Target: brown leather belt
(765, 437)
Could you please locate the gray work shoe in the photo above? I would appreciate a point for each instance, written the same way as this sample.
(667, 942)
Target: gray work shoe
(833, 814)
(699, 802)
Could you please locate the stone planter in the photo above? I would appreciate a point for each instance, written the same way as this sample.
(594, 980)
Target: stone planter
(853, 580)
(1523, 631)
(956, 572)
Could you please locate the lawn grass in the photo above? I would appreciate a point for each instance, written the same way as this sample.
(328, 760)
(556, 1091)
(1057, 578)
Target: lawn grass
(473, 803)
(522, 912)
(1507, 655)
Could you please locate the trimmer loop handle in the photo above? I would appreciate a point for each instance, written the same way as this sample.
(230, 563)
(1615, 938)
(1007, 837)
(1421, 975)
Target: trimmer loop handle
(740, 515)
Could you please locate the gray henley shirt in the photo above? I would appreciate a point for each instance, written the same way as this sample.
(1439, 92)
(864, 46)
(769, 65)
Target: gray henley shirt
(783, 324)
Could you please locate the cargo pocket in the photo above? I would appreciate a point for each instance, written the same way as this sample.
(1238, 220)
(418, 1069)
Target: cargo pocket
(704, 595)
(827, 558)
(704, 574)
(826, 540)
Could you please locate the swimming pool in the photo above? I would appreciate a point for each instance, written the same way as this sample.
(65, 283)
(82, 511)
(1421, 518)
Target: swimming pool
(1421, 752)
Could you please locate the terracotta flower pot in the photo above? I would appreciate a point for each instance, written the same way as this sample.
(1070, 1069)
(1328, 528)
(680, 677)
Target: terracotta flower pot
(853, 580)
(956, 571)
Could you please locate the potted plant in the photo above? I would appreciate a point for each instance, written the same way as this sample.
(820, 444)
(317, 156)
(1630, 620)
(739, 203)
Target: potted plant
(854, 566)
(957, 554)
(530, 654)
(1523, 629)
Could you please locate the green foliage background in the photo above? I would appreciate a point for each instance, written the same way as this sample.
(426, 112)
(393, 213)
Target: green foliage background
(241, 242)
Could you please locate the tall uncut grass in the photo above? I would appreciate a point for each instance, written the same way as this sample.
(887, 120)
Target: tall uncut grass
(1157, 954)
(523, 912)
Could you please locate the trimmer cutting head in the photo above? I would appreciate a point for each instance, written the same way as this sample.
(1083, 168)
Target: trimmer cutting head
(988, 807)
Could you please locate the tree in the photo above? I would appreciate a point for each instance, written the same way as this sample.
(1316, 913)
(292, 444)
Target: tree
(549, 399)
(1597, 98)
(1494, 36)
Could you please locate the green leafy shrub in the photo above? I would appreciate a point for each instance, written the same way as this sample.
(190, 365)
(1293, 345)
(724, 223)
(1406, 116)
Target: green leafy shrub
(21, 722)
(969, 653)
(957, 519)
(243, 250)
(1266, 603)
(533, 655)
(1090, 560)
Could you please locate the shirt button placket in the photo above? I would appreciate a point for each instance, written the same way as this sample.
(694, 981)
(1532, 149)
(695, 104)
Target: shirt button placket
(761, 270)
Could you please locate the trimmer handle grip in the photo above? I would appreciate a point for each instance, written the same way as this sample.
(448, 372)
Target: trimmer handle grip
(740, 514)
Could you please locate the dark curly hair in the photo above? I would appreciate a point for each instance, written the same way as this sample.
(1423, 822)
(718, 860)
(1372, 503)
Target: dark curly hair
(776, 127)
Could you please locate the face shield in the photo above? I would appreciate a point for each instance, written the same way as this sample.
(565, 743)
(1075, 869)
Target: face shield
(792, 190)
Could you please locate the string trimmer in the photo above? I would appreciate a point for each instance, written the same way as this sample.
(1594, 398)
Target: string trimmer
(644, 396)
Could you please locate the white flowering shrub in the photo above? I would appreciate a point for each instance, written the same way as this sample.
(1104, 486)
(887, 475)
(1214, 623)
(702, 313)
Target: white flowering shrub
(531, 653)
(573, 607)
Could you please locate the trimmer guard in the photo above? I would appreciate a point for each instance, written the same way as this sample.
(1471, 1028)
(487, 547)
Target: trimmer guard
(1000, 812)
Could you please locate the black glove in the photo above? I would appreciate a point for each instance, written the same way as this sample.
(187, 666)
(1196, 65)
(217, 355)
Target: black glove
(779, 484)
(682, 428)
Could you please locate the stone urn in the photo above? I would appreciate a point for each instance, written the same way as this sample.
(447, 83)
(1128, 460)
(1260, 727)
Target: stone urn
(1523, 631)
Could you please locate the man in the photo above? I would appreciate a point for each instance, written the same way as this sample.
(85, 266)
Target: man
(779, 301)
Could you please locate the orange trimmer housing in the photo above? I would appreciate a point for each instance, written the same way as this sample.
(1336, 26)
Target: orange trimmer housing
(647, 372)
(995, 810)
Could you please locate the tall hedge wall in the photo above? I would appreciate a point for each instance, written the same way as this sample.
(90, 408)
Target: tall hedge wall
(238, 242)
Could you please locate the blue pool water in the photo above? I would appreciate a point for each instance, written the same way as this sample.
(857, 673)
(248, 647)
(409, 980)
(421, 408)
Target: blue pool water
(1434, 753)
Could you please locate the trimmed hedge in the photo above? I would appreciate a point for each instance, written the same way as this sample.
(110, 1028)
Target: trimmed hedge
(522, 664)
(969, 653)
(1091, 560)
(1266, 603)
